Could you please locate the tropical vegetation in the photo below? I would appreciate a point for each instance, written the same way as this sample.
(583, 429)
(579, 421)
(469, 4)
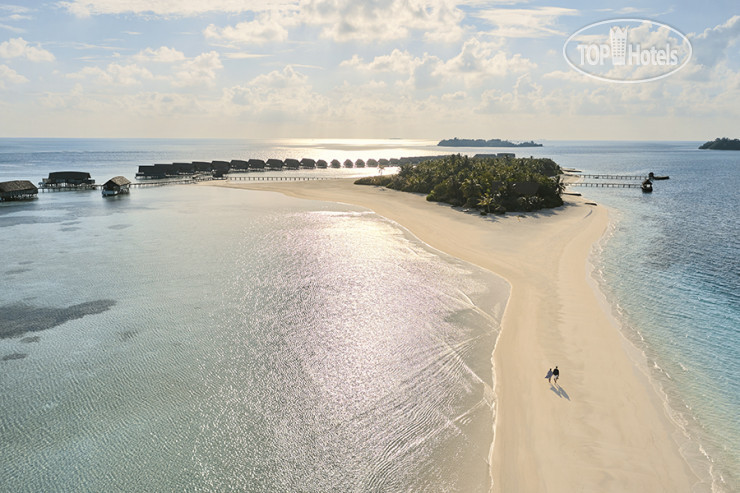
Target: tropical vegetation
(722, 144)
(491, 185)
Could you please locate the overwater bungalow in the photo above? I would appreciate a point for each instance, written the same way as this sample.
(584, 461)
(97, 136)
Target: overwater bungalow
(18, 190)
(274, 164)
(395, 161)
(359, 163)
(256, 164)
(239, 165)
(115, 186)
(292, 163)
(183, 168)
(220, 168)
(61, 179)
(308, 163)
(335, 163)
(322, 164)
(383, 162)
(202, 167)
(372, 163)
(348, 163)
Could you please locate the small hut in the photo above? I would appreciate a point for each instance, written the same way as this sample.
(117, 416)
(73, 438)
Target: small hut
(372, 163)
(183, 168)
(383, 162)
(115, 186)
(18, 190)
(335, 163)
(239, 165)
(68, 179)
(220, 168)
(322, 164)
(274, 164)
(292, 163)
(359, 163)
(256, 164)
(348, 163)
(308, 163)
(202, 167)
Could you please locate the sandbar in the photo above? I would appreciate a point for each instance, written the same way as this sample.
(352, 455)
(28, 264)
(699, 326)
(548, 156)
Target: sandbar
(603, 428)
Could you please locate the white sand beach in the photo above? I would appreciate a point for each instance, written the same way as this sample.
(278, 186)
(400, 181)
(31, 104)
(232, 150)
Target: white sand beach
(604, 429)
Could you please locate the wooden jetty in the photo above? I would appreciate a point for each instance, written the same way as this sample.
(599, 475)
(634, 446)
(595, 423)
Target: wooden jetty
(611, 177)
(605, 184)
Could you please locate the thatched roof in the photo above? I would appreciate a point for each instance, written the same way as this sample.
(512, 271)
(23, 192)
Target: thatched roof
(321, 163)
(118, 180)
(348, 163)
(308, 163)
(292, 163)
(360, 163)
(18, 186)
(274, 163)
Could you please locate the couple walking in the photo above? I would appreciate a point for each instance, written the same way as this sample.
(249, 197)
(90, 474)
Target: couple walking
(553, 374)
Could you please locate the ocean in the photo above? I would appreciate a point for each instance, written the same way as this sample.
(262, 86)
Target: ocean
(188, 338)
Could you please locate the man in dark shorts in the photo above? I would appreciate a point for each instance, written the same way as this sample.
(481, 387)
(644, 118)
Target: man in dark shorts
(556, 373)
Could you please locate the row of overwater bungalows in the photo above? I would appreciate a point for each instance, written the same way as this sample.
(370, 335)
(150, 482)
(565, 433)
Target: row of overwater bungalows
(62, 180)
(218, 169)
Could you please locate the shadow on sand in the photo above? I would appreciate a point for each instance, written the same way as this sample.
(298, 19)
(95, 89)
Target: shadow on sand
(559, 391)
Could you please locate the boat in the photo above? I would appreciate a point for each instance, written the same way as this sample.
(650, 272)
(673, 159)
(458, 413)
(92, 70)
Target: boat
(647, 186)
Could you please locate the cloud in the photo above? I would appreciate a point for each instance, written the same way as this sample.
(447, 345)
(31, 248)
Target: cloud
(525, 23)
(163, 54)
(280, 95)
(114, 74)
(369, 20)
(478, 61)
(19, 48)
(13, 29)
(7, 74)
(184, 8)
(200, 70)
(711, 46)
(267, 28)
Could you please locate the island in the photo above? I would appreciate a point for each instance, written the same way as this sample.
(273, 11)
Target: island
(484, 143)
(490, 185)
(722, 144)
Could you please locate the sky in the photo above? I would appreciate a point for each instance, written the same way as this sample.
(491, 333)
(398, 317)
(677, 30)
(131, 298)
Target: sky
(426, 69)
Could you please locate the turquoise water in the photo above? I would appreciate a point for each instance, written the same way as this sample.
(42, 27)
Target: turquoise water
(192, 338)
(242, 346)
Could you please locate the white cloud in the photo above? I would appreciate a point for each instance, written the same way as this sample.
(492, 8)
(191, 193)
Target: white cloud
(7, 74)
(711, 46)
(13, 29)
(368, 20)
(478, 61)
(287, 77)
(525, 23)
(19, 48)
(267, 28)
(200, 70)
(163, 54)
(115, 74)
(87, 8)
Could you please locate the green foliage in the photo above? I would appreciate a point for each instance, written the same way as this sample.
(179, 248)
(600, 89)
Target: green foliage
(722, 144)
(492, 185)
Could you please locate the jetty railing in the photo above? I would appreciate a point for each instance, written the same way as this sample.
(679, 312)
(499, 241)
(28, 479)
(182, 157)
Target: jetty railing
(604, 184)
(275, 178)
(610, 177)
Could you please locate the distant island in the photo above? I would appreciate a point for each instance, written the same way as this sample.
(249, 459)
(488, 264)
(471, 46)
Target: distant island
(484, 143)
(723, 144)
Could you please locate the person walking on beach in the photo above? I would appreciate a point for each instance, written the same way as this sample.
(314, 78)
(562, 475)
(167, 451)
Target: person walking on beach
(549, 375)
(556, 373)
